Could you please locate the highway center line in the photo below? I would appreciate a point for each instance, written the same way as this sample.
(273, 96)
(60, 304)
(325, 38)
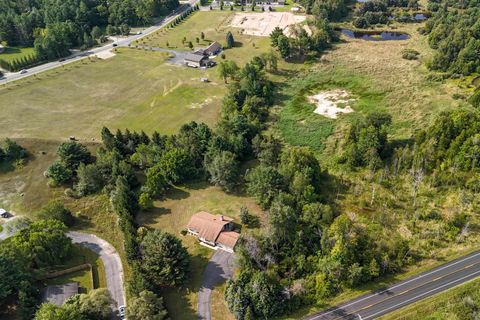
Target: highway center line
(421, 295)
(399, 285)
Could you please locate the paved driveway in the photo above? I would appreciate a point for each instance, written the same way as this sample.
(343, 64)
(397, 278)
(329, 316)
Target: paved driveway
(111, 261)
(219, 269)
(177, 57)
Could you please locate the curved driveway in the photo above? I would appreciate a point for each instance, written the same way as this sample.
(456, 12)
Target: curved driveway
(219, 268)
(111, 261)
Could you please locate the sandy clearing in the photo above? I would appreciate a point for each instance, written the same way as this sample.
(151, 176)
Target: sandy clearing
(332, 102)
(104, 55)
(262, 24)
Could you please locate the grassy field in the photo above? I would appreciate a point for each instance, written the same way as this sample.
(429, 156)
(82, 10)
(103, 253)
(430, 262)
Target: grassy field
(88, 279)
(172, 215)
(12, 53)
(135, 89)
(459, 303)
(376, 74)
(301, 126)
(24, 191)
(215, 25)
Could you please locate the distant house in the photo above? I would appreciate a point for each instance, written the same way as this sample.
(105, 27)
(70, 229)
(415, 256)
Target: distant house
(195, 60)
(213, 49)
(215, 231)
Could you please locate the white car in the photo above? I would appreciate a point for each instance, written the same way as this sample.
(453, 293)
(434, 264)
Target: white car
(121, 312)
(23, 71)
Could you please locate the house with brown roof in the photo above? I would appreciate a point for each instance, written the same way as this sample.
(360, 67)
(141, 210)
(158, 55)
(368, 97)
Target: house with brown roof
(215, 231)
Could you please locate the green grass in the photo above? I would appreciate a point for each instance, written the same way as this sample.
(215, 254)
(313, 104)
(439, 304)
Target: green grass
(88, 279)
(459, 303)
(172, 215)
(12, 53)
(135, 89)
(299, 124)
(215, 25)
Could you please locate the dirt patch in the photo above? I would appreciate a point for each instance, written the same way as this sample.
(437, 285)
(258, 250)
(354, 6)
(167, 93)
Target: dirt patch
(104, 55)
(262, 24)
(201, 104)
(332, 102)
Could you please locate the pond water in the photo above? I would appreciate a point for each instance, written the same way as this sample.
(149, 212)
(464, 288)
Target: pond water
(420, 17)
(375, 35)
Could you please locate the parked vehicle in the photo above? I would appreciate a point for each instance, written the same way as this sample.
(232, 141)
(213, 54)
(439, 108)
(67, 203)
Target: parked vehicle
(23, 71)
(121, 312)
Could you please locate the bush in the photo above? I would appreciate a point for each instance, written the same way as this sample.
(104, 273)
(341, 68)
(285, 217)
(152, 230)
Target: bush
(56, 210)
(410, 54)
(58, 173)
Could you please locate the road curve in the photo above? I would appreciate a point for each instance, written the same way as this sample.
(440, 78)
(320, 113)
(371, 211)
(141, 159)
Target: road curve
(219, 268)
(423, 285)
(111, 261)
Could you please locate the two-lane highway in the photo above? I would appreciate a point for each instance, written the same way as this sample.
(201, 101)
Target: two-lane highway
(383, 301)
(121, 42)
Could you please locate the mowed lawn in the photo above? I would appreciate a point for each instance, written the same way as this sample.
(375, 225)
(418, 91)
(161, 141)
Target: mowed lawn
(214, 25)
(12, 53)
(172, 215)
(88, 279)
(136, 89)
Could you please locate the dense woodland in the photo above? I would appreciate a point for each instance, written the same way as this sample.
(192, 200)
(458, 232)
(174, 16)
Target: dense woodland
(54, 27)
(454, 32)
(310, 248)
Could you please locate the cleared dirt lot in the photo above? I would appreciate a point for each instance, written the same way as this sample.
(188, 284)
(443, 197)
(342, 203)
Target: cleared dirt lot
(262, 24)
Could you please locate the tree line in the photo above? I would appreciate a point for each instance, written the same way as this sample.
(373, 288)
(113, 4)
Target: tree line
(158, 259)
(454, 32)
(374, 12)
(299, 43)
(54, 27)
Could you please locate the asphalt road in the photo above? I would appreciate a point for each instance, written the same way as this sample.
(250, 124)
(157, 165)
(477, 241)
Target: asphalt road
(219, 268)
(423, 285)
(111, 261)
(121, 42)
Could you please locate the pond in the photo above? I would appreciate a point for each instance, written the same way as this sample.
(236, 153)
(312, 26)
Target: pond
(420, 17)
(375, 35)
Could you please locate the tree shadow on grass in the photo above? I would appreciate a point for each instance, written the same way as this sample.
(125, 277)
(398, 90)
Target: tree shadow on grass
(198, 185)
(149, 217)
(176, 299)
(176, 194)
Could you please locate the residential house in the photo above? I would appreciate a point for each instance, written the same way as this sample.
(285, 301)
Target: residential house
(195, 60)
(214, 231)
(213, 49)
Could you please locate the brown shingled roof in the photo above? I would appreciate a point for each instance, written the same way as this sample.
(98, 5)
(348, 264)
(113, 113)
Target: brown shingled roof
(228, 238)
(208, 225)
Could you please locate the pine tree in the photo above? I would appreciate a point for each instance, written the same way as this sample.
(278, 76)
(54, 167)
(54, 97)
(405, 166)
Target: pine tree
(230, 40)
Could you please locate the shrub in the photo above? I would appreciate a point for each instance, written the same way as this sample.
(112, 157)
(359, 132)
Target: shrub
(410, 54)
